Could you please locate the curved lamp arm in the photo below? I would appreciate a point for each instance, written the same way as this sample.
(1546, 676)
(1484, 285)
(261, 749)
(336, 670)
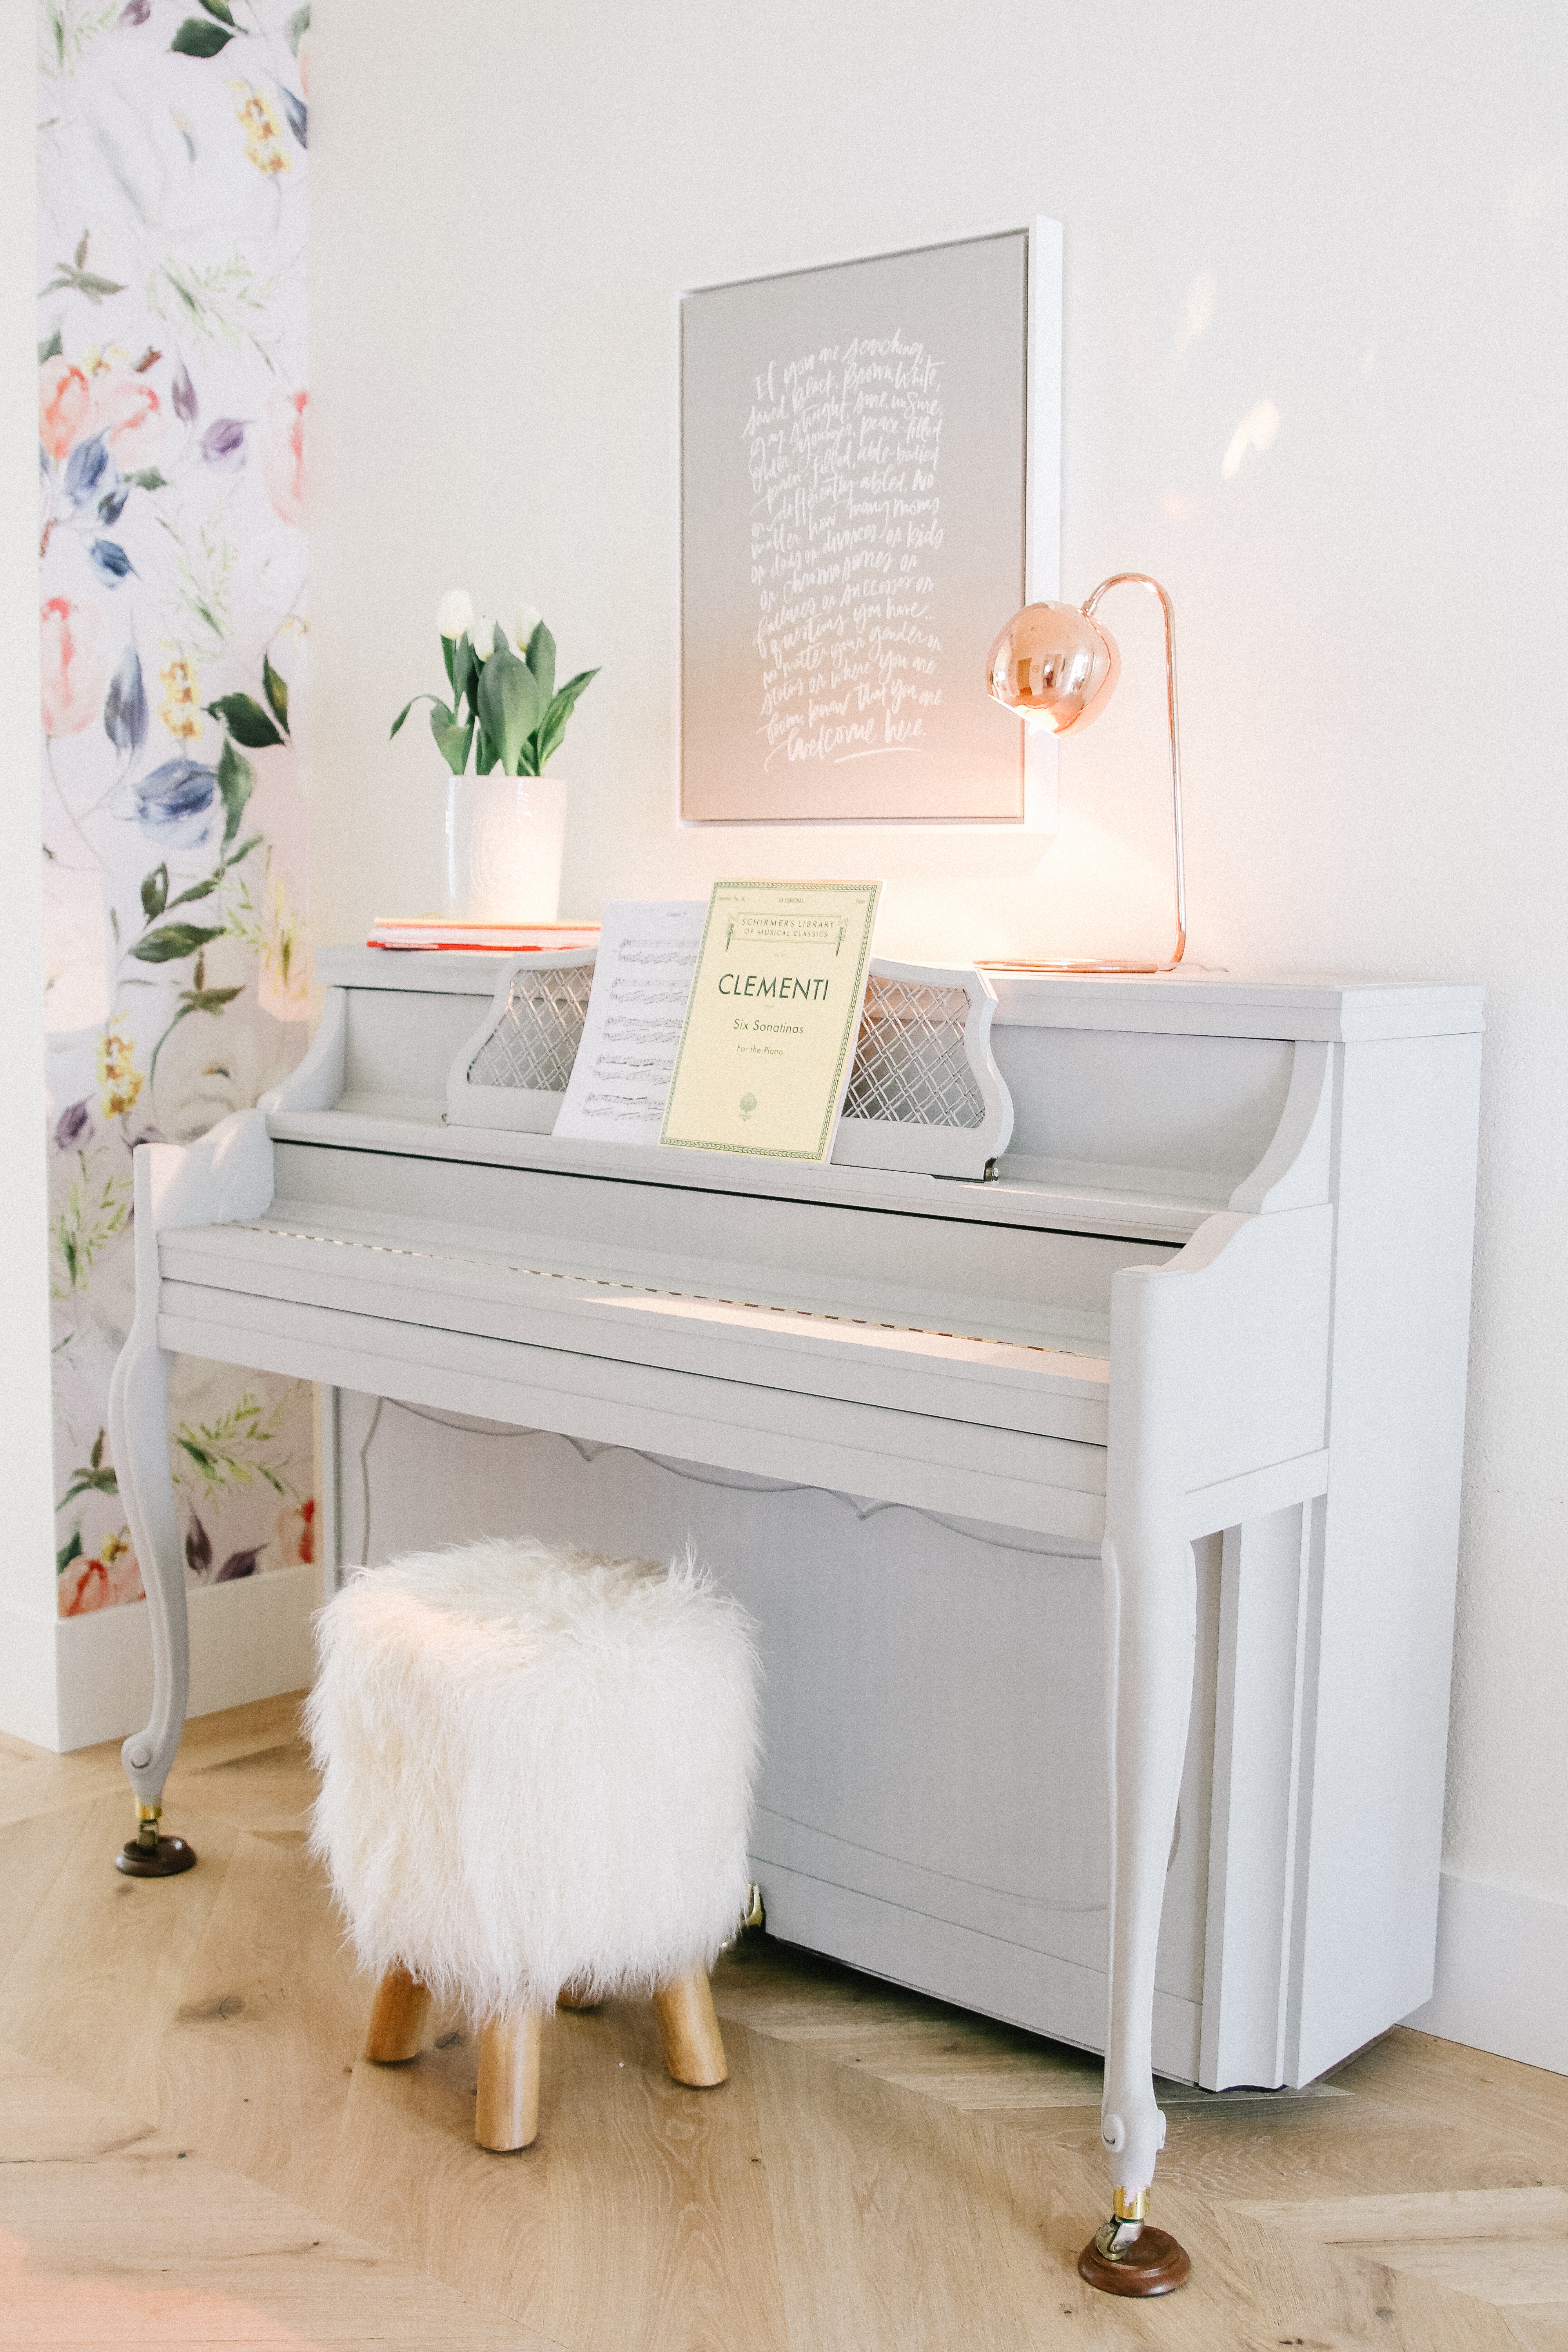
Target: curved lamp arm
(1143, 580)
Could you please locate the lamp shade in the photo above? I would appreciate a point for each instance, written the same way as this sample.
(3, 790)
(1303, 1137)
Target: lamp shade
(1055, 666)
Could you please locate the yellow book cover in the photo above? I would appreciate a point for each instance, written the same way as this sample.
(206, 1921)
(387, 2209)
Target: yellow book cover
(771, 1023)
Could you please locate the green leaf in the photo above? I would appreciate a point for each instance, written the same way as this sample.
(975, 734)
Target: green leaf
(276, 692)
(510, 704)
(187, 1006)
(96, 1456)
(245, 719)
(558, 712)
(148, 477)
(296, 28)
(69, 1551)
(213, 1000)
(197, 890)
(542, 660)
(485, 753)
(94, 1481)
(155, 892)
(172, 941)
(222, 11)
(462, 669)
(453, 737)
(438, 709)
(233, 855)
(52, 349)
(196, 39)
(68, 280)
(235, 782)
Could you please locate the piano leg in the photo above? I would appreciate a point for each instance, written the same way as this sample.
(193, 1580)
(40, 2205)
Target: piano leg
(1151, 1624)
(139, 1437)
(228, 1174)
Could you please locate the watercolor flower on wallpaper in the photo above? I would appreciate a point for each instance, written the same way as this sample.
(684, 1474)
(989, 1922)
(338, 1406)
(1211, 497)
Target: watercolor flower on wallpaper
(119, 1080)
(177, 805)
(105, 1583)
(258, 118)
(180, 705)
(74, 666)
(171, 473)
(283, 456)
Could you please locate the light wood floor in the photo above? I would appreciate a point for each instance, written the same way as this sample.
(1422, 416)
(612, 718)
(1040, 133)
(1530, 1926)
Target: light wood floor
(193, 2154)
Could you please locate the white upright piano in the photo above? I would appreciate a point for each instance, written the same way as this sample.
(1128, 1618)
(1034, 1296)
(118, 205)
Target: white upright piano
(1206, 1325)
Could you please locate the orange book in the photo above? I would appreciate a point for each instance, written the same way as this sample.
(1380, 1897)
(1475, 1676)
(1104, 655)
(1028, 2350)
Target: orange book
(421, 933)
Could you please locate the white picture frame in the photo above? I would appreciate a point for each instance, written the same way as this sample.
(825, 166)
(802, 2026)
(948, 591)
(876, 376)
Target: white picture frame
(1042, 531)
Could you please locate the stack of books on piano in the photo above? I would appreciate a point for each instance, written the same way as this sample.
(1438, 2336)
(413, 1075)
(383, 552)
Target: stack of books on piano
(424, 932)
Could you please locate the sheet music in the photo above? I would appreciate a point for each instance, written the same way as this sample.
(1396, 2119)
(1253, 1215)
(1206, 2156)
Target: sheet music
(642, 978)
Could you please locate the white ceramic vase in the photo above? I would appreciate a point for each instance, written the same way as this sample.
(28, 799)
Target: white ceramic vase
(504, 840)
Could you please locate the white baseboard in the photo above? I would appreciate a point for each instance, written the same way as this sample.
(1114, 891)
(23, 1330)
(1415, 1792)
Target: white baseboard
(1503, 1962)
(28, 1709)
(73, 1682)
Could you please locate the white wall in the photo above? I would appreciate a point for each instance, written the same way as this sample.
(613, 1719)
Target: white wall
(1373, 202)
(27, 1549)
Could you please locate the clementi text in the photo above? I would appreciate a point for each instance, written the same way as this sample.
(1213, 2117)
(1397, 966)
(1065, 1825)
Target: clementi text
(781, 985)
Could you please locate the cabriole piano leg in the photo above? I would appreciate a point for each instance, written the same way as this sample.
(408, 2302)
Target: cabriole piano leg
(1151, 1622)
(138, 1435)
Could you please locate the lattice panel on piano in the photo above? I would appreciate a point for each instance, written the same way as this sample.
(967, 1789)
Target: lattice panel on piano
(924, 1092)
(911, 1064)
(534, 1044)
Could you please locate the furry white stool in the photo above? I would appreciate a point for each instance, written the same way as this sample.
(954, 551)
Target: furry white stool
(536, 1782)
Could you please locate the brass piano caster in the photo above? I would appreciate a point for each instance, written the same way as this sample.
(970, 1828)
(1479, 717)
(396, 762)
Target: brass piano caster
(1126, 2256)
(753, 1920)
(148, 1856)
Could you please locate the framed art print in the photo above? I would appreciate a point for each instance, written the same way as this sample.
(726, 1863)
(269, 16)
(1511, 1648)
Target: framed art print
(869, 486)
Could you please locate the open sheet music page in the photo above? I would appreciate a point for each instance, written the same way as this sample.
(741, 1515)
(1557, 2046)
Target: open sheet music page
(642, 977)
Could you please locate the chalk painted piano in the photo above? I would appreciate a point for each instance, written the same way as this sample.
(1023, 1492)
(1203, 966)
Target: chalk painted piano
(1207, 1322)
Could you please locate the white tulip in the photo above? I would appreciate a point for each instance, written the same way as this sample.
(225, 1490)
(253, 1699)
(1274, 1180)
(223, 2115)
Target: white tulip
(482, 630)
(454, 613)
(528, 620)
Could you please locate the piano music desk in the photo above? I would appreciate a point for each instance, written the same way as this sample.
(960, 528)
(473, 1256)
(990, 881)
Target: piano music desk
(1219, 1295)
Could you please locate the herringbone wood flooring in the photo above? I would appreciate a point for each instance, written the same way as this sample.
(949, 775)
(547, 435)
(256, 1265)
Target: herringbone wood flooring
(195, 2154)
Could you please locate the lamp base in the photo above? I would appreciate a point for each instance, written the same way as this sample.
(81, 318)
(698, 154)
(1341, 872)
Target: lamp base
(1107, 964)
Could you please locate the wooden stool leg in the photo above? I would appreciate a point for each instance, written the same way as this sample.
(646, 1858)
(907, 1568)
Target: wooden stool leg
(693, 2046)
(397, 2018)
(506, 2116)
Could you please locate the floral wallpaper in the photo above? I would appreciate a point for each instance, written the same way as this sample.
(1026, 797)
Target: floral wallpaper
(172, 427)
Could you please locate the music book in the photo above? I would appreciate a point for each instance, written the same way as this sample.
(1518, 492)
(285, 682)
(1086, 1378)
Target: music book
(768, 1040)
(433, 931)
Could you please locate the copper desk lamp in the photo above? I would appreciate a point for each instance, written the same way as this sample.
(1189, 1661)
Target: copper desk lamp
(1057, 666)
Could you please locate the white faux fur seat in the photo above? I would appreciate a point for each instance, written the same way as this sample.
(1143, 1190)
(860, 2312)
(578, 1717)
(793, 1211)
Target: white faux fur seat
(536, 1773)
